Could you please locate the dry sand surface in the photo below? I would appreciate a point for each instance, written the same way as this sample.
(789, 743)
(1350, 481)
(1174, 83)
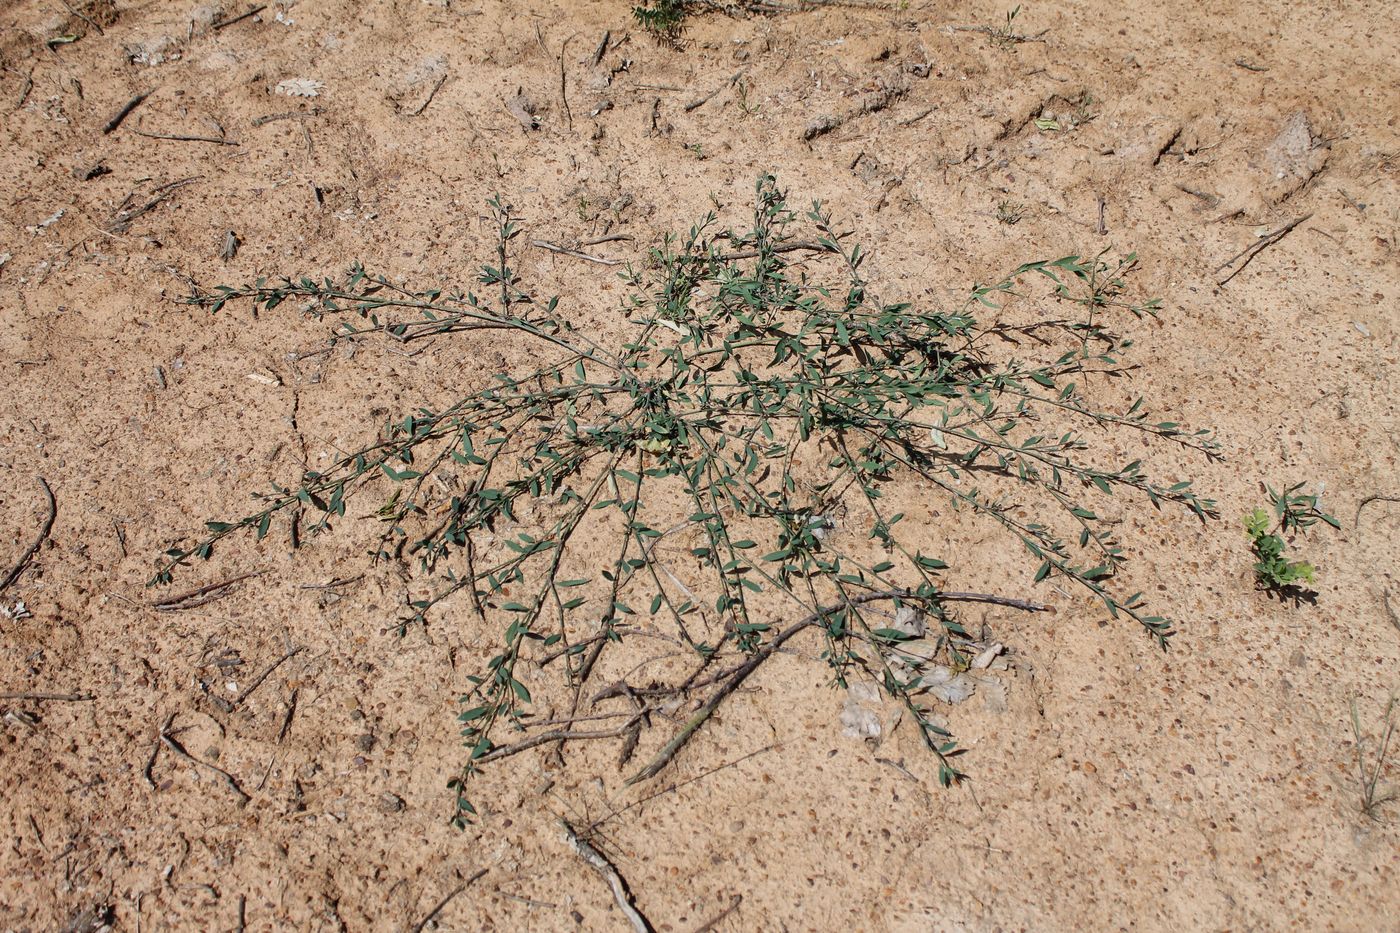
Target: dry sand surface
(1112, 786)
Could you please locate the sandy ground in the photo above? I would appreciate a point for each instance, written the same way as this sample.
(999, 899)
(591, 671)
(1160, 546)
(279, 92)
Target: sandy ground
(1213, 787)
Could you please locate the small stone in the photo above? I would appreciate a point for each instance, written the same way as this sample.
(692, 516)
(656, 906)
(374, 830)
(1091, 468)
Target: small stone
(390, 803)
(366, 742)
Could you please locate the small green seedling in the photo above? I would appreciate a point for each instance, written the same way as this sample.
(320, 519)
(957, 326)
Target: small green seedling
(1296, 511)
(742, 89)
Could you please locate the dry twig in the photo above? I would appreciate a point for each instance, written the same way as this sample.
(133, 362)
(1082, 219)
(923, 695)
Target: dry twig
(257, 681)
(172, 743)
(1359, 506)
(872, 104)
(125, 112)
(205, 594)
(55, 697)
(732, 682)
(565, 251)
(84, 17)
(1254, 249)
(422, 924)
(697, 104)
(600, 864)
(734, 903)
(185, 138)
(240, 18)
(38, 541)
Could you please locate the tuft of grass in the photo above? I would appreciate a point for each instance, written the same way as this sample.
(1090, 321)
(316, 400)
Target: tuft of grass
(1373, 795)
(743, 88)
(1004, 36)
(1010, 212)
(761, 448)
(665, 19)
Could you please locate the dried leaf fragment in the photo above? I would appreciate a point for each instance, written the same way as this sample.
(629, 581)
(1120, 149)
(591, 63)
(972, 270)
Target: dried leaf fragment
(300, 87)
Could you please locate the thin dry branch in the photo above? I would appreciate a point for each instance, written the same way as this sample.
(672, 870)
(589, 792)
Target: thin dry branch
(185, 138)
(697, 104)
(84, 17)
(125, 112)
(54, 697)
(240, 18)
(422, 924)
(1023, 604)
(1254, 249)
(258, 681)
(437, 86)
(565, 251)
(616, 883)
(205, 594)
(872, 104)
(172, 743)
(733, 681)
(713, 922)
(121, 221)
(544, 738)
(43, 535)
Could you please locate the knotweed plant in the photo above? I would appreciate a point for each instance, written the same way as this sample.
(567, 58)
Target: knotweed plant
(739, 471)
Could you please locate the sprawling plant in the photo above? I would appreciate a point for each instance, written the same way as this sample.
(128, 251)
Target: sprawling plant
(738, 463)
